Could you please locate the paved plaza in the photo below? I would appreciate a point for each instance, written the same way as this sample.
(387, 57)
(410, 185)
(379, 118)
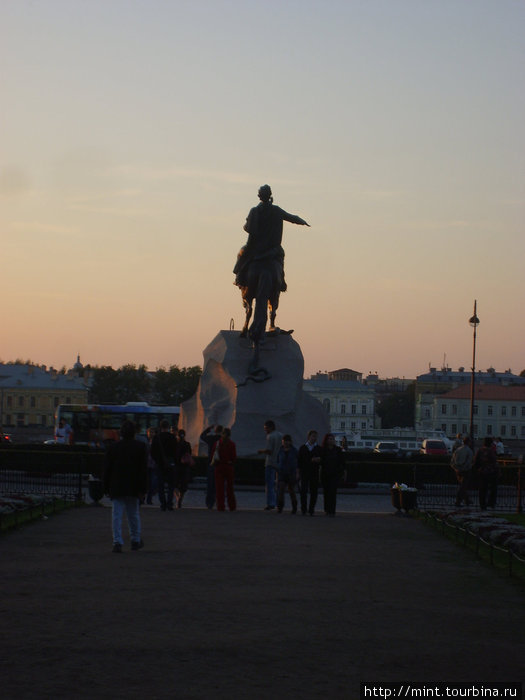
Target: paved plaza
(249, 604)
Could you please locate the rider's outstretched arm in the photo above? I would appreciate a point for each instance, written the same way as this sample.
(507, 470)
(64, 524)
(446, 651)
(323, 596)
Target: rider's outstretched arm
(293, 219)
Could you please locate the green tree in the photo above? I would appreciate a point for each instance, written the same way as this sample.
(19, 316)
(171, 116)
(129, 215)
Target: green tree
(128, 383)
(397, 409)
(104, 388)
(174, 385)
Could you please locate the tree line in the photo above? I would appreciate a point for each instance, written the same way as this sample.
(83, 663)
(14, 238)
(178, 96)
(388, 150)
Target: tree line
(131, 383)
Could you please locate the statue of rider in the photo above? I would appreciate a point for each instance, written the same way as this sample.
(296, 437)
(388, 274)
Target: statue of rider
(264, 226)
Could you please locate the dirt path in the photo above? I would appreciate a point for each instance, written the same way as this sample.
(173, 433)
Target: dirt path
(249, 604)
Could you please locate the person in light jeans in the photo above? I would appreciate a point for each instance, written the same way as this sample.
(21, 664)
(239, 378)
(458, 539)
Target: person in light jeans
(273, 445)
(126, 482)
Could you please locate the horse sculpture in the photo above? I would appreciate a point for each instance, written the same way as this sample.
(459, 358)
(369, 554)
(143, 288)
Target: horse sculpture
(263, 286)
(249, 294)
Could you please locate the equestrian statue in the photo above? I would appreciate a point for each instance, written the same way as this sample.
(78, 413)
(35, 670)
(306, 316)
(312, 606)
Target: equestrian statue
(259, 272)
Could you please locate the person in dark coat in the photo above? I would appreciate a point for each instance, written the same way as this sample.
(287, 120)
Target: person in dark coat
(332, 468)
(287, 472)
(211, 437)
(164, 453)
(486, 464)
(183, 461)
(126, 482)
(309, 459)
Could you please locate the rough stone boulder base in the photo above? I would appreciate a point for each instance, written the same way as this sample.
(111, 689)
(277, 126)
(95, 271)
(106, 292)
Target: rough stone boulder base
(244, 409)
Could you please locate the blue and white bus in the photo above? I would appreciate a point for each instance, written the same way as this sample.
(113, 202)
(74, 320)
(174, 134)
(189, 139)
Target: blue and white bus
(99, 424)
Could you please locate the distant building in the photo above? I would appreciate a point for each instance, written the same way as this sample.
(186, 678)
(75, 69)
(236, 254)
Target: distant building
(498, 411)
(348, 402)
(432, 386)
(29, 394)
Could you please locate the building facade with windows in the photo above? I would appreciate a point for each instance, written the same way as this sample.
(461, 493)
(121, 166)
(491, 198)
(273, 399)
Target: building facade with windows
(497, 411)
(29, 394)
(433, 385)
(349, 403)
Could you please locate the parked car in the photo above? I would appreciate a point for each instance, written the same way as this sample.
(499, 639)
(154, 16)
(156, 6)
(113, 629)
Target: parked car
(387, 448)
(433, 447)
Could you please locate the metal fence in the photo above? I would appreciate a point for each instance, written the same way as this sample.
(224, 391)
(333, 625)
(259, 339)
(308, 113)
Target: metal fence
(63, 473)
(59, 473)
(66, 486)
(437, 487)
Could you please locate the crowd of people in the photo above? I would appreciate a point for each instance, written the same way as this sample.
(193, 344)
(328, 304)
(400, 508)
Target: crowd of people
(137, 470)
(482, 464)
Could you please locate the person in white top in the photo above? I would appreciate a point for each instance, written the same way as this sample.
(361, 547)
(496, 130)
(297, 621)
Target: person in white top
(63, 433)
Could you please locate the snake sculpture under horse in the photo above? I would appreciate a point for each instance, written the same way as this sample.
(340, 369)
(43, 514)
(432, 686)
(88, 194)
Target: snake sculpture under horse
(264, 282)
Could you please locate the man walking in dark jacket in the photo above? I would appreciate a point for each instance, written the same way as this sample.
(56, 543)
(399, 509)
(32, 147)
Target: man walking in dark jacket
(126, 481)
(164, 454)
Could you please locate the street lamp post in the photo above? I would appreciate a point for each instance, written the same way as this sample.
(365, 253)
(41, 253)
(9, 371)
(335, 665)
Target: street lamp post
(474, 322)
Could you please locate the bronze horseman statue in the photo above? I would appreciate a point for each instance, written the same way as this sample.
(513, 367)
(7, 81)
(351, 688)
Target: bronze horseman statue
(259, 271)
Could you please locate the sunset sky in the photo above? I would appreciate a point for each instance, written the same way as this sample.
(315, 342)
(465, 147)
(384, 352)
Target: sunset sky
(134, 135)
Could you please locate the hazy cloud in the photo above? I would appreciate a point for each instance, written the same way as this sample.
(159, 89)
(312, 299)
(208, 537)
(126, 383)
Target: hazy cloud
(14, 181)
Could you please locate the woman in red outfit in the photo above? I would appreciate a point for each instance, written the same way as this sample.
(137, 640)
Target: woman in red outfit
(224, 456)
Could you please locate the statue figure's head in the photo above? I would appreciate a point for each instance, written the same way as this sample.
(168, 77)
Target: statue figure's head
(265, 193)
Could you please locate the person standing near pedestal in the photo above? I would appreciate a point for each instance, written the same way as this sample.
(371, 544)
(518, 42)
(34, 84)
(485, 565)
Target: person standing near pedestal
(164, 452)
(309, 461)
(273, 445)
(332, 469)
(210, 437)
(224, 458)
(287, 474)
(183, 460)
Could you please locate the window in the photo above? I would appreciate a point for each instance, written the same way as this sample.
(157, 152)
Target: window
(21, 402)
(443, 409)
(503, 430)
(454, 429)
(363, 410)
(43, 421)
(343, 408)
(475, 411)
(363, 426)
(342, 425)
(444, 427)
(354, 409)
(427, 412)
(513, 410)
(33, 402)
(489, 410)
(9, 402)
(326, 405)
(56, 401)
(503, 410)
(513, 430)
(523, 410)
(352, 425)
(489, 429)
(454, 409)
(464, 429)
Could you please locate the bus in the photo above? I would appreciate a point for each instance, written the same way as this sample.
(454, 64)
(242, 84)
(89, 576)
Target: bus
(99, 424)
